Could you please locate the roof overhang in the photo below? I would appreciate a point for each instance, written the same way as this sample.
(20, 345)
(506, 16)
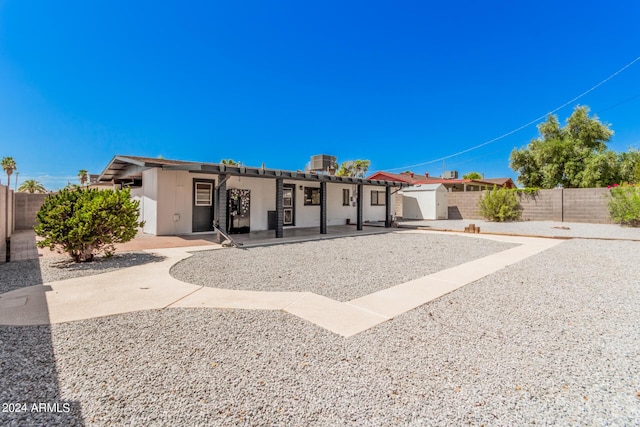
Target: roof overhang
(126, 168)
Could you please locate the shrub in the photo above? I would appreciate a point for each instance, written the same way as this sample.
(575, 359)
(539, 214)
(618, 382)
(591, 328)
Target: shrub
(84, 222)
(624, 205)
(500, 204)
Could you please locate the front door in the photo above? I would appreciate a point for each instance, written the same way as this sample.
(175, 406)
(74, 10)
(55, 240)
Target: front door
(202, 218)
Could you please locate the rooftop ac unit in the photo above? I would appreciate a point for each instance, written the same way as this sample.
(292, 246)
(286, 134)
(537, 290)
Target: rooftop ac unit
(322, 162)
(450, 175)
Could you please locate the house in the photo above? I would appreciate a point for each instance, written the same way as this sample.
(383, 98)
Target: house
(450, 184)
(182, 197)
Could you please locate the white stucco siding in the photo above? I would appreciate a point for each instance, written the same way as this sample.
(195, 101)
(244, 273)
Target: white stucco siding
(149, 201)
(175, 201)
(337, 214)
(263, 198)
(375, 212)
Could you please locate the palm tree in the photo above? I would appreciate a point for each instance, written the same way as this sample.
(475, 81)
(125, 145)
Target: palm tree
(83, 176)
(9, 165)
(229, 162)
(31, 186)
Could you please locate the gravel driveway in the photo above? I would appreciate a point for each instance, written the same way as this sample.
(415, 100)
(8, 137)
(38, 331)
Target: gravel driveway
(551, 340)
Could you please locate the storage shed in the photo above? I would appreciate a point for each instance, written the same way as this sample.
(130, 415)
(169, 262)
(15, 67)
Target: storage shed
(425, 201)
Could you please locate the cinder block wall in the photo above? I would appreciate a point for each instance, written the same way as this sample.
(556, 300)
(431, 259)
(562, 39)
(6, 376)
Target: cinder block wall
(588, 205)
(27, 206)
(3, 234)
(545, 205)
(464, 205)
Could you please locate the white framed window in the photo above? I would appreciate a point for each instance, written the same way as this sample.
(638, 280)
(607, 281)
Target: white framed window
(204, 194)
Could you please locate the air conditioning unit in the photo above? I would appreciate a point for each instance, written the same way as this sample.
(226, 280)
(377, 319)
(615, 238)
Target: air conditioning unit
(450, 175)
(322, 162)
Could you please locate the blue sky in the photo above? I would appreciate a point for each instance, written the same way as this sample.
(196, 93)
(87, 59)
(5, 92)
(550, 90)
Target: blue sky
(399, 83)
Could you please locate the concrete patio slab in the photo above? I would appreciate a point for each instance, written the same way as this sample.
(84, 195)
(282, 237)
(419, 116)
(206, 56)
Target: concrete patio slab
(338, 317)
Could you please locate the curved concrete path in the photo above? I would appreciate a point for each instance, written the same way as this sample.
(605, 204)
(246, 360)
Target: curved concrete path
(150, 286)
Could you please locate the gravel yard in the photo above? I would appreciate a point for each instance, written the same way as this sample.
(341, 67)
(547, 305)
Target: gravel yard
(19, 274)
(551, 340)
(341, 269)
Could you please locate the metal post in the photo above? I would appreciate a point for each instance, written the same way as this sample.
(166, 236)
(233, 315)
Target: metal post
(359, 207)
(323, 208)
(387, 206)
(279, 208)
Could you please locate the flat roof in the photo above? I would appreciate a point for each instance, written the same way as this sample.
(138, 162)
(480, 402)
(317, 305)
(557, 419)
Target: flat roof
(127, 168)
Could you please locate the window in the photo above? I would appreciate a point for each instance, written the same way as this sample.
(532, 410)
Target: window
(311, 196)
(345, 197)
(377, 198)
(204, 192)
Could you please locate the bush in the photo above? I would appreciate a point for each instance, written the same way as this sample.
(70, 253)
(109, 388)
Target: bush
(624, 205)
(500, 204)
(84, 222)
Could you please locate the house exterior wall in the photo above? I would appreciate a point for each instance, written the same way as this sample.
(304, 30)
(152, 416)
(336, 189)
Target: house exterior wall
(149, 201)
(166, 201)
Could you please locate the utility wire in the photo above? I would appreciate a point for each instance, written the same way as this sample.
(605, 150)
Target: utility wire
(525, 125)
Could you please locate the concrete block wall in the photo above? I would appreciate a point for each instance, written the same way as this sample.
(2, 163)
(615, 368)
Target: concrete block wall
(587, 205)
(464, 205)
(27, 206)
(545, 205)
(3, 234)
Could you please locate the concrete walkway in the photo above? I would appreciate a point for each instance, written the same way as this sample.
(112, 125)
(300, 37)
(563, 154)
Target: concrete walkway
(150, 286)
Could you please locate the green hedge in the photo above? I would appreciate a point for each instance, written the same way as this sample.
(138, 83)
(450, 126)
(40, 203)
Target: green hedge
(85, 222)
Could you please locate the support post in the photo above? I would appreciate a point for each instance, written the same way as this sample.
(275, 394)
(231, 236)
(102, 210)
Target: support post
(323, 208)
(279, 208)
(387, 207)
(359, 207)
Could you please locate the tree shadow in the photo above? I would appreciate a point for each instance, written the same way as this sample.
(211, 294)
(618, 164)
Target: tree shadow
(29, 383)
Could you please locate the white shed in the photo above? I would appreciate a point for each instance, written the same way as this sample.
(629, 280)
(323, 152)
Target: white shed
(425, 201)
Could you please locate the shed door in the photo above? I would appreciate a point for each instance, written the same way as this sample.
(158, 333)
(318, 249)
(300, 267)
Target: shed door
(202, 217)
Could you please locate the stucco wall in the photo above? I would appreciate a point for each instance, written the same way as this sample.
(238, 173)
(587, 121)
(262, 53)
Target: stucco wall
(587, 205)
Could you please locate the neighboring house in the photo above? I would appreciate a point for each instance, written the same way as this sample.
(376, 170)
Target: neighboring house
(450, 184)
(180, 197)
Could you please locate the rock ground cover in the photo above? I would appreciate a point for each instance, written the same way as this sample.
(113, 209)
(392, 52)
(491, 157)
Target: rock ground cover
(342, 269)
(551, 340)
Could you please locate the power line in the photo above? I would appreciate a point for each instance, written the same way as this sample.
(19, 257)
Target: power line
(526, 124)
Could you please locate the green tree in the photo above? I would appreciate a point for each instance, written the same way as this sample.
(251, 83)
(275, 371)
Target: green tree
(560, 154)
(629, 167)
(354, 168)
(84, 222)
(472, 175)
(229, 162)
(8, 165)
(31, 186)
(83, 177)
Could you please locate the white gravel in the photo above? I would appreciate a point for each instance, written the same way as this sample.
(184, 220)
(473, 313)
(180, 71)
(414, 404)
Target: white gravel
(551, 340)
(538, 228)
(341, 269)
(19, 274)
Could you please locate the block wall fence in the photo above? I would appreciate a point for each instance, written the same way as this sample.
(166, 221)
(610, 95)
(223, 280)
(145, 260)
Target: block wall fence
(589, 205)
